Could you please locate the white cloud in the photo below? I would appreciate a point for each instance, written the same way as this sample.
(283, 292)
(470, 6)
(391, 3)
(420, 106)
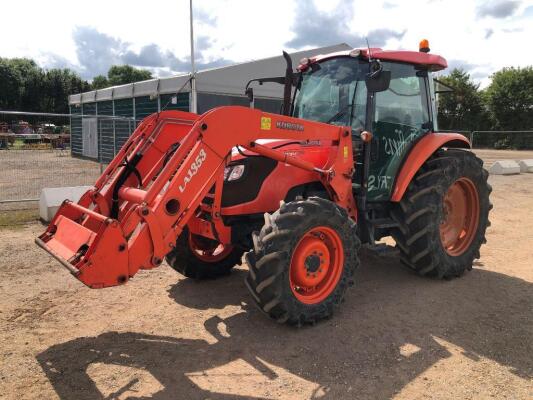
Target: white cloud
(241, 30)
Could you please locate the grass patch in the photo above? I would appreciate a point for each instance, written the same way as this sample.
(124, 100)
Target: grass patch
(17, 218)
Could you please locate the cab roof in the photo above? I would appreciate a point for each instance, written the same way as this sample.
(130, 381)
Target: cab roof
(433, 62)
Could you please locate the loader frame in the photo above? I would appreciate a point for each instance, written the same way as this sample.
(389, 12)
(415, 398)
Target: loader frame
(156, 185)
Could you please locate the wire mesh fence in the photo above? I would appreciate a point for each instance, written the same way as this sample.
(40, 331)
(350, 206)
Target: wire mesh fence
(37, 151)
(52, 150)
(24, 172)
(502, 140)
(20, 130)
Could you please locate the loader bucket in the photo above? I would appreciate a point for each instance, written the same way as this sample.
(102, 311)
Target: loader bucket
(91, 246)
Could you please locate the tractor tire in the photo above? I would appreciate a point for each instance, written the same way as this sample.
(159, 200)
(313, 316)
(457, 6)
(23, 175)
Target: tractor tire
(201, 258)
(443, 215)
(303, 261)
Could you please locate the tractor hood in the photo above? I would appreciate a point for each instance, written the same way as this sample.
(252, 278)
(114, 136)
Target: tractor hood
(273, 144)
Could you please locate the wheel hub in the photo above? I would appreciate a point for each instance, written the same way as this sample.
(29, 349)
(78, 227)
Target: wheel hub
(312, 262)
(316, 265)
(460, 210)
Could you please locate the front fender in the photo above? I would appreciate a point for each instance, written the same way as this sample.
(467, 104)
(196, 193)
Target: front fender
(419, 154)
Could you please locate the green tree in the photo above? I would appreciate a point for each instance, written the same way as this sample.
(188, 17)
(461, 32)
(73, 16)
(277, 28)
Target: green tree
(31, 77)
(57, 85)
(99, 82)
(510, 98)
(24, 86)
(10, 86)
(463, 109)
(122, 74)
(21, 78)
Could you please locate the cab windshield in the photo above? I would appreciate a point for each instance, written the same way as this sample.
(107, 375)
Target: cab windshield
(333, 92)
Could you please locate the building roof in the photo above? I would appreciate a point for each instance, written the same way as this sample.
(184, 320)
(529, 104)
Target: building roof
(229, 80)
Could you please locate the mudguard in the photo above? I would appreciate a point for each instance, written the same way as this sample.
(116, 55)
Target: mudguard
(419, 154)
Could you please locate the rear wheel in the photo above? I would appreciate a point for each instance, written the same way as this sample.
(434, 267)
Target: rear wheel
(443, 215)
(202, 258)
(303, 261)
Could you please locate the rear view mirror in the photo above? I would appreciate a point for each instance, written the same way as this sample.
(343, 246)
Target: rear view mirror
(250, 93)
(378, 82)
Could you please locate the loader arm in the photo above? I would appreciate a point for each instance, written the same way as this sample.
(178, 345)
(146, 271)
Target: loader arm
(154, 186)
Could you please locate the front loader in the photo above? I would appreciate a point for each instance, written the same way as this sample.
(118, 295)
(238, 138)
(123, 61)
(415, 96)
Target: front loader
(354, 156)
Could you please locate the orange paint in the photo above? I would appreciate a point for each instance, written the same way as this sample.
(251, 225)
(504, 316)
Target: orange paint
(174, 181)
(316, 265)
(428, 145)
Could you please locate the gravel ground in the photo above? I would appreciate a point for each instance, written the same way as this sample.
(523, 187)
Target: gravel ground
(489, 156)
(165, 337)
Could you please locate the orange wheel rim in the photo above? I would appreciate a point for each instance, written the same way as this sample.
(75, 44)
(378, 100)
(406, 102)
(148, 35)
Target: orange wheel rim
(316, 265)
(461, 217)
(208, 252)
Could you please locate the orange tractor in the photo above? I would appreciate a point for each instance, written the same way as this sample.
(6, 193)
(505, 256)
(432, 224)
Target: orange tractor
(354, 156)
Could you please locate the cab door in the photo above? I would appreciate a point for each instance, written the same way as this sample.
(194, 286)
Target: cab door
(402, 115)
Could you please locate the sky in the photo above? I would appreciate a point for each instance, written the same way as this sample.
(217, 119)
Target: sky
(479, 36)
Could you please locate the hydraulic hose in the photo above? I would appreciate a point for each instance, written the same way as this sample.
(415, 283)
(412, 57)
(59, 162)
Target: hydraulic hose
(130, 167)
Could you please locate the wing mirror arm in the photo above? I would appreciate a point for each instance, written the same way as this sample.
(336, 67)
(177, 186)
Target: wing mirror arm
(287, 90)
(249, 91)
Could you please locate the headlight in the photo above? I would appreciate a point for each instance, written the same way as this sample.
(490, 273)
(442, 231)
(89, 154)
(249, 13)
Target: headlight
(233, 172)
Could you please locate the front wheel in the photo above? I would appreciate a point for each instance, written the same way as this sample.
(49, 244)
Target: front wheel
(303, 261)
(443, 215)
(202, 258)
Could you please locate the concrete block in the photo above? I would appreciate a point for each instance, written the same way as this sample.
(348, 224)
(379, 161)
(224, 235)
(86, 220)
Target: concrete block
(504, 167)
(526, 165)
(51, 199)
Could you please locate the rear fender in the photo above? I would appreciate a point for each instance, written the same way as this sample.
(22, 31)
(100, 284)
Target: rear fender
(420, 153)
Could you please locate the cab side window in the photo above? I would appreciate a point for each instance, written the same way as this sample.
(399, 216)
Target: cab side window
(401, 117)
(405, 102)
(358, 117)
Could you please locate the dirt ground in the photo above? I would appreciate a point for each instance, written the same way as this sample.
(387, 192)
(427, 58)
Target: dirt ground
(165, 337)
(489, 156)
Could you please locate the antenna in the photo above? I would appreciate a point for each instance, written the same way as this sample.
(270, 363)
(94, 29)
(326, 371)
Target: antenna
(194, 105)
(369, 52)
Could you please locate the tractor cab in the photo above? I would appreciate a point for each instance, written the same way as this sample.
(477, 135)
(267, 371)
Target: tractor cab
(388, 94)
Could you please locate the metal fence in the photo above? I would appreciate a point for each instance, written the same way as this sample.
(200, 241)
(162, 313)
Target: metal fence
(51, 150)
(24, 172)
(19, 130)
(498, 140)
(37, 151)
(502, 140)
